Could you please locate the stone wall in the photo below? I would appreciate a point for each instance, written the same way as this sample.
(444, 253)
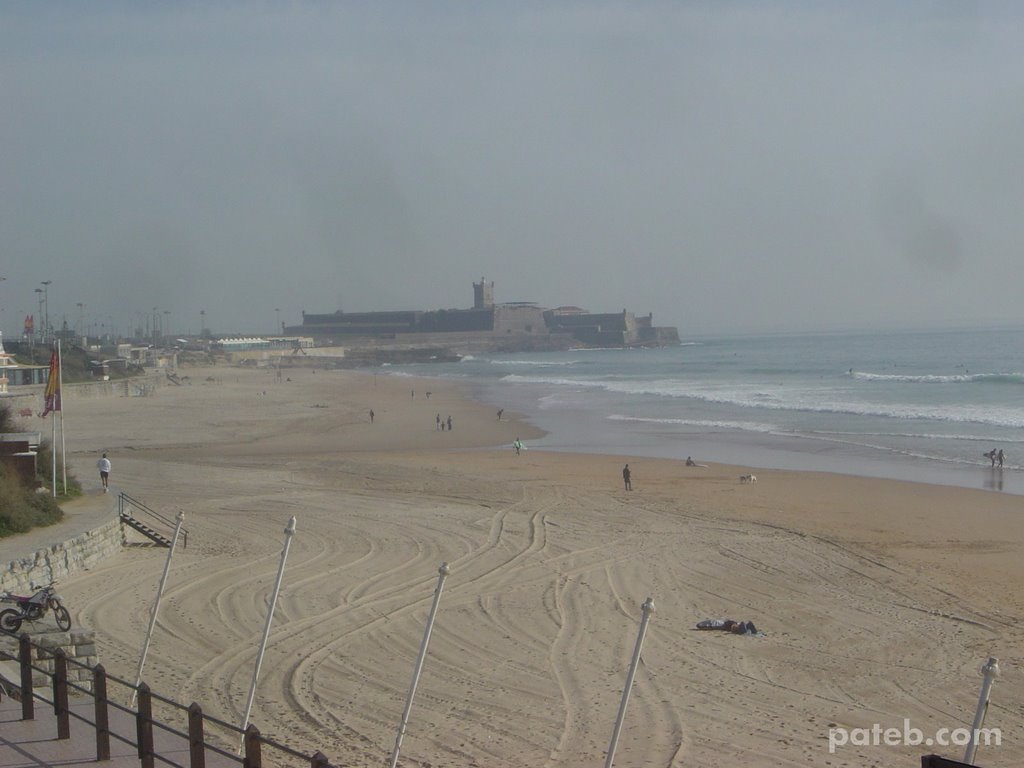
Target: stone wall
(78, 645)
(130, 387)
(58, 561)
(519, 319)
(55, 563)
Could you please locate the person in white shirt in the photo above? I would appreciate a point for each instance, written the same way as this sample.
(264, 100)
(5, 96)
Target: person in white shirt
(104, 467)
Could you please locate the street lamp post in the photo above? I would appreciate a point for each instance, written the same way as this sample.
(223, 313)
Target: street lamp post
(38, 320)
(277, 328)
(202, 323)
(46, 298)
(167, 322)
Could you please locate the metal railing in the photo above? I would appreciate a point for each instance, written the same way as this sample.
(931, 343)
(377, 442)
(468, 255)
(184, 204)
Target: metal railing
(253, 742)
(126, 505)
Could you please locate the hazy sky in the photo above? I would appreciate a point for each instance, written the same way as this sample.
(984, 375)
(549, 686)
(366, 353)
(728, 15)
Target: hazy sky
(730, 166)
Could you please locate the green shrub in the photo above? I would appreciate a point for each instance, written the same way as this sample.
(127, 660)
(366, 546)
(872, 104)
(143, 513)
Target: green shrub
(21, 508)
(7, 419)
(44, 473)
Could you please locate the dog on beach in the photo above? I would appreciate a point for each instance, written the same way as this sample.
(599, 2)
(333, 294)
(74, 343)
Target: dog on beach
(748, 479)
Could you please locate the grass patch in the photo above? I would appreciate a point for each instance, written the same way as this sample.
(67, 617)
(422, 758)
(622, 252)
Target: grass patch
(21, 508)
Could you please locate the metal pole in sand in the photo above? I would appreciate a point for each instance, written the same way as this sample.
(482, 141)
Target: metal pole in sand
(156, 605)
(991, 671)
(289, 532)
(442, 572)
(648, 609)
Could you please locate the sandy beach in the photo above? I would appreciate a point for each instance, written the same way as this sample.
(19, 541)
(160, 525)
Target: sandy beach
(877, 601)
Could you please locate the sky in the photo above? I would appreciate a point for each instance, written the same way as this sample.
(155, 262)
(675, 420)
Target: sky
(732, 167)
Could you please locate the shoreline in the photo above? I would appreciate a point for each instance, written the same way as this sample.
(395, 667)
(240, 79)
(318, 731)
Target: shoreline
(579, 432)
(874, 598)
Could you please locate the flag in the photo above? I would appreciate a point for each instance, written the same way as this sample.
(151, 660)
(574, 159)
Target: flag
(52, 393)
(29, 325)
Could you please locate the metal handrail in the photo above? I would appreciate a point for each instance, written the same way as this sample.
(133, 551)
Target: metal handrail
(123, 500)
(253, 740)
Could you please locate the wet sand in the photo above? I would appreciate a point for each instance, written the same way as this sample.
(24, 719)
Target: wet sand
(877, 600)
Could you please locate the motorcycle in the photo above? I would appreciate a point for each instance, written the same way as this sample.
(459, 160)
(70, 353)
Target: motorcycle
(32, 608)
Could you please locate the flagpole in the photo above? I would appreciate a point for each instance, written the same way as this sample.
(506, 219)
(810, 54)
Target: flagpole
(63, 453)
(53, 439)
(51, 403)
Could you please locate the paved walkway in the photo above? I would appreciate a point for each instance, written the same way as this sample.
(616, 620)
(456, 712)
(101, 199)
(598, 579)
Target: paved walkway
(85, 513)
(34, 743)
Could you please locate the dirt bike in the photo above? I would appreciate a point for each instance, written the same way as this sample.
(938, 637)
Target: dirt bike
(32, 608)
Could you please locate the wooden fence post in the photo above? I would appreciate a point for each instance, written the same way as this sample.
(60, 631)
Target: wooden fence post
(99, 696)
(28, 701)
(196, 738)
(144, 726)
(60, 694)
(253, 753)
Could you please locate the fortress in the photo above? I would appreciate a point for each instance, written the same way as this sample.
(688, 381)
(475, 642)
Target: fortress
(488, 326)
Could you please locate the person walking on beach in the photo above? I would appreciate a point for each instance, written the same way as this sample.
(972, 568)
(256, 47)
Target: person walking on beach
(626, 478)
(104, 466)
(438, 422)
(371, 415)
(500, 411)
(449, 423)
(518, 446)
(999, 458)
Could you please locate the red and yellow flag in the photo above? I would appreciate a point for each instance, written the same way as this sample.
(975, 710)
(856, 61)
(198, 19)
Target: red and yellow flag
(52, 393)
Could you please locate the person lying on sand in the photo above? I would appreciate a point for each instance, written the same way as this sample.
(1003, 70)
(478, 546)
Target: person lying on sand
(728, 625)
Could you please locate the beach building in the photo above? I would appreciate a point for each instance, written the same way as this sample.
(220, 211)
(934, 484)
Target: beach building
(19, 450)
(242, 344)
(14, 375)
(6, 361)
(146, 356)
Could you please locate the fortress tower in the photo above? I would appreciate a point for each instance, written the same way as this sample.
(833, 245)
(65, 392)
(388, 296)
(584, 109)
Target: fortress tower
(483, 294)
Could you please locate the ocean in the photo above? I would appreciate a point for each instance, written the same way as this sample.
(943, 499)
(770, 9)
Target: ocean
(920, 406)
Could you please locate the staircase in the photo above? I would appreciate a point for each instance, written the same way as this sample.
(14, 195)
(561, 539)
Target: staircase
(151, 524)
